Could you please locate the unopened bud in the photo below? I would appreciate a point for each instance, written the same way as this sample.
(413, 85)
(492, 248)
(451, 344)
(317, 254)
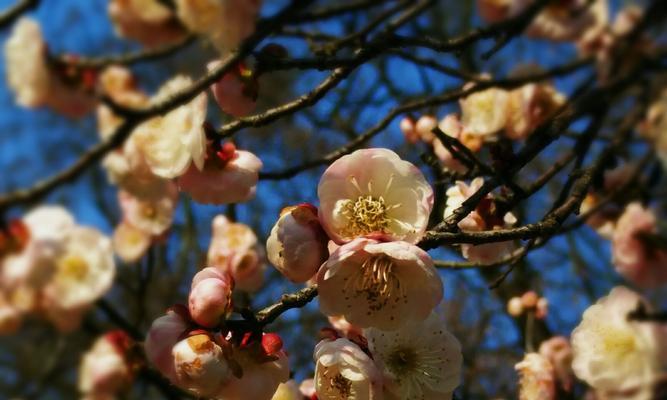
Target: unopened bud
(515, 307)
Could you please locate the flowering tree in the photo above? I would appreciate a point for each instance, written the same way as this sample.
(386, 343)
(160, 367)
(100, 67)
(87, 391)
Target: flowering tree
(407, 200)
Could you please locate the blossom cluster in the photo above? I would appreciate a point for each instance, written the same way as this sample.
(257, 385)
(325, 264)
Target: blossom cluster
(585, 23)
(376, 286)
(618, 357)
(150, 22)
(638, 253)
(109, 367)
(487, 115)
(176, 151)
(195, 352)
(56, 269)
(359, 247)
(40, 78)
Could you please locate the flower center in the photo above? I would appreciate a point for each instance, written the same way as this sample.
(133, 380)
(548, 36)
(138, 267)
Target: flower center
(341, 387)
(73, 267)
(149, 211)
(619, 342)
(402, 361)
(366, 214)
(377, 281)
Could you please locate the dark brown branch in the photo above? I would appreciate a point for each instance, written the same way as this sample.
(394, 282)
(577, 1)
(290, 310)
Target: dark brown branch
(264, 29)
(287, 302)
(414, 105)
(130, 58)
(338, 9)
(16, 10)
(328, 83)
(502, 29)
(641, 314)
(134, 117)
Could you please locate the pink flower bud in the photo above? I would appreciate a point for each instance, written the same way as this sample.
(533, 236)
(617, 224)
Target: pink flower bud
(537, 378)
(200, 365)
(210, 297)
(104, 368)
(634, 258)
(424, 128)
(559, 352)
(529, 299)
(307, 388)
(221, 182)
(515, 307)
(542, 308)
(407, 126)
(236, 92)
(271, 343)
(297, 246)
(164, 333)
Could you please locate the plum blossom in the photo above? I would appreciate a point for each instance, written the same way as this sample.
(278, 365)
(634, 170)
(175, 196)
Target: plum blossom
(62, 269)
(614, 354)
(381, 285)
(11, 317)
(542, 308)
(171, 143)
(84, 273)
(559, 353)
(263, 365)
(236, 91)
(499, 10)
(537, 378)
(515, 307)
(344, 371)
(374, 191)
(234, 249)
(119, 84)
(654, 126)
(38, 81)
(14, 237)
(559, 20)
(27, 70)
(201, 364)
(210, 296)
(633, 256)
(106, 369)
(130, 243)
(344, 327)
(162, 336)
(288, 391)
(451, 125)
(307, 388)
(149, 22)
(605, 40)
(228, 176)
(569, 20)
(127, 166)
(226, 23)
(419, 130)
(421, 360)
(297, 246)
(529, 106)
(605, 217)
(409, 130)
(422, 130)
(25, 274)
(152, 216)
(484, 217)
(484, 113)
